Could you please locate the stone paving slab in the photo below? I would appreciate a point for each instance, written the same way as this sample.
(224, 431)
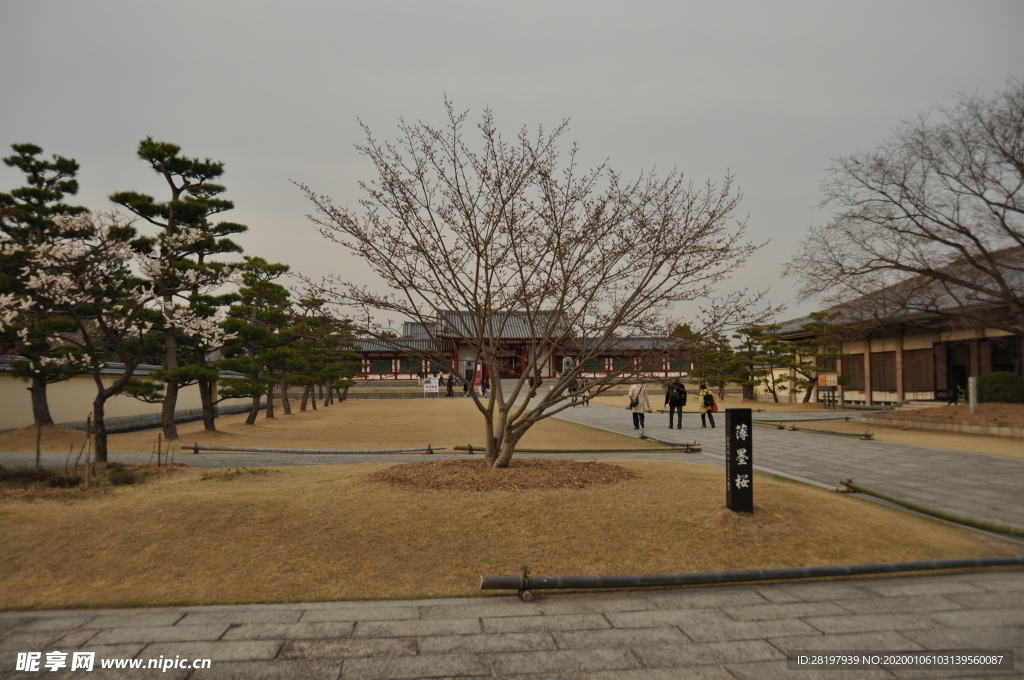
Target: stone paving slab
(977, 484)
(729, 631)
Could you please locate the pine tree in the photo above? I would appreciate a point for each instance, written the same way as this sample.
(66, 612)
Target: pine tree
(716, 362)
(194, 198)
(774, 354)
(819, 351)
(261, 323)
(746, 368)
(27, 217)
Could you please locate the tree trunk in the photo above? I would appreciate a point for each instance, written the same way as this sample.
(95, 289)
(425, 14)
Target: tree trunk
(321, 386)
(748, 392)
(285, 404)
(171, 393)
(508, 447)
(344, 395)
(312, 396)
(99, 427)
(254, 410)
(270, 401)
(330, 396)
(305, 397)
(40, 406)
(206, 397)
(807, 395)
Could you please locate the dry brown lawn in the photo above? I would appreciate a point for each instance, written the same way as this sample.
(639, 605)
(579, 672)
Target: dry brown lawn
(329, 533)
(355, 424)
(1009, 447)
(987, 412)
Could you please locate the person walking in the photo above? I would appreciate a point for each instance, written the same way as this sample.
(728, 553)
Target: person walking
(639, 403)
(451, 386)
(675, 399)
(485, 385)
(574, 388)
(707, 404)
(586, 392)
(465, 388)
(952, 390)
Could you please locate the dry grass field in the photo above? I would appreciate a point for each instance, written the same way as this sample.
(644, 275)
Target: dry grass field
(356, 424)
(330, 533)
(1009, 447)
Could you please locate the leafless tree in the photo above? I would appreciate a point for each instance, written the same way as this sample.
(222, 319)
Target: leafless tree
(932, 221)
(508, 237)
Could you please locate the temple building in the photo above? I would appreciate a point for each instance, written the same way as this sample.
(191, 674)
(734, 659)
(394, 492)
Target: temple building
(914, 340)
(428, 350)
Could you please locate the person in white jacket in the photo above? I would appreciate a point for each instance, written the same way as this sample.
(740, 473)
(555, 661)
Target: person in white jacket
(639, 402)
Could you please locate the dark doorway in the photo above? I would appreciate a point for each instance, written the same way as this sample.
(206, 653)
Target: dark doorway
(958, 363)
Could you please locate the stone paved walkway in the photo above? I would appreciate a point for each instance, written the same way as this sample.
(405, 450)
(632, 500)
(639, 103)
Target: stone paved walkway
(975, 484)
(723, 632)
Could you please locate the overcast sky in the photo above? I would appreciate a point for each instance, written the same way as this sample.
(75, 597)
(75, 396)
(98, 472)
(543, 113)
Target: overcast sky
(766, 90)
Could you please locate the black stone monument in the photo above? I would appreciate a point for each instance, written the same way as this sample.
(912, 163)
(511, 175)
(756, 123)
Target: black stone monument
(739, 460)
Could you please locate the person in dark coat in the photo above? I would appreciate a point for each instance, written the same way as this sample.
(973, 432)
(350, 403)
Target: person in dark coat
(952, 390)
(675, 399)
(451, 386)
(485, 385)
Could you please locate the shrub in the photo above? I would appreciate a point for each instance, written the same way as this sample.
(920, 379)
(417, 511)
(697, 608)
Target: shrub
(120, 476)
(1002, 387)
(64, 481)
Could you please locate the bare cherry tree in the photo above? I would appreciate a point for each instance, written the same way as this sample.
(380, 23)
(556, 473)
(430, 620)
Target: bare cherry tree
(932, 221)
(507, 239)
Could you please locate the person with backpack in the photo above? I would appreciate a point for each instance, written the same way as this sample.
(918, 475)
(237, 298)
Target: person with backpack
(638, 403)
(675, 399)
(707, 406)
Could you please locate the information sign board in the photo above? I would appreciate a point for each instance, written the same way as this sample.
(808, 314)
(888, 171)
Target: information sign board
(739, 460)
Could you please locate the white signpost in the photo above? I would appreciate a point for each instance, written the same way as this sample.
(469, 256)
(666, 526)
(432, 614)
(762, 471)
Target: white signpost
(430, 386)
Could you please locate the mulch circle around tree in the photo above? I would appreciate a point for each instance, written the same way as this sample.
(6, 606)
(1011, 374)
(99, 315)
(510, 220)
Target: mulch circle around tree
(522, 473)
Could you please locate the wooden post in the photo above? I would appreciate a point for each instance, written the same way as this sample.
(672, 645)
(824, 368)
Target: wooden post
(867, 373)
(159, 446)
(984, 357)
(88, 447)
(39, 438)
(900, 392)
(840, 388)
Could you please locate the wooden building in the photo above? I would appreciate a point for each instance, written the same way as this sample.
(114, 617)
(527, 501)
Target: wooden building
(432, 350)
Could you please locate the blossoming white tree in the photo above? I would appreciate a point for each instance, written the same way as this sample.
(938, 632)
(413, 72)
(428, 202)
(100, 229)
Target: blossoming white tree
(188, 238)
(96, 279)
(27, 220)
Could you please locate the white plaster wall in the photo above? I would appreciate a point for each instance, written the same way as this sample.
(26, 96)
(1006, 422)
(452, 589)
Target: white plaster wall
(924, 341)
(71, 401)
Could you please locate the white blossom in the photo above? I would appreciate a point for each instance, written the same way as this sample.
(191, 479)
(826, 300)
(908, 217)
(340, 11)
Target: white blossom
(10, 306)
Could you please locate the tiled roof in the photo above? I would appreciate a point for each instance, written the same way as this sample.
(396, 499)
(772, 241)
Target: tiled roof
(922, 298)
